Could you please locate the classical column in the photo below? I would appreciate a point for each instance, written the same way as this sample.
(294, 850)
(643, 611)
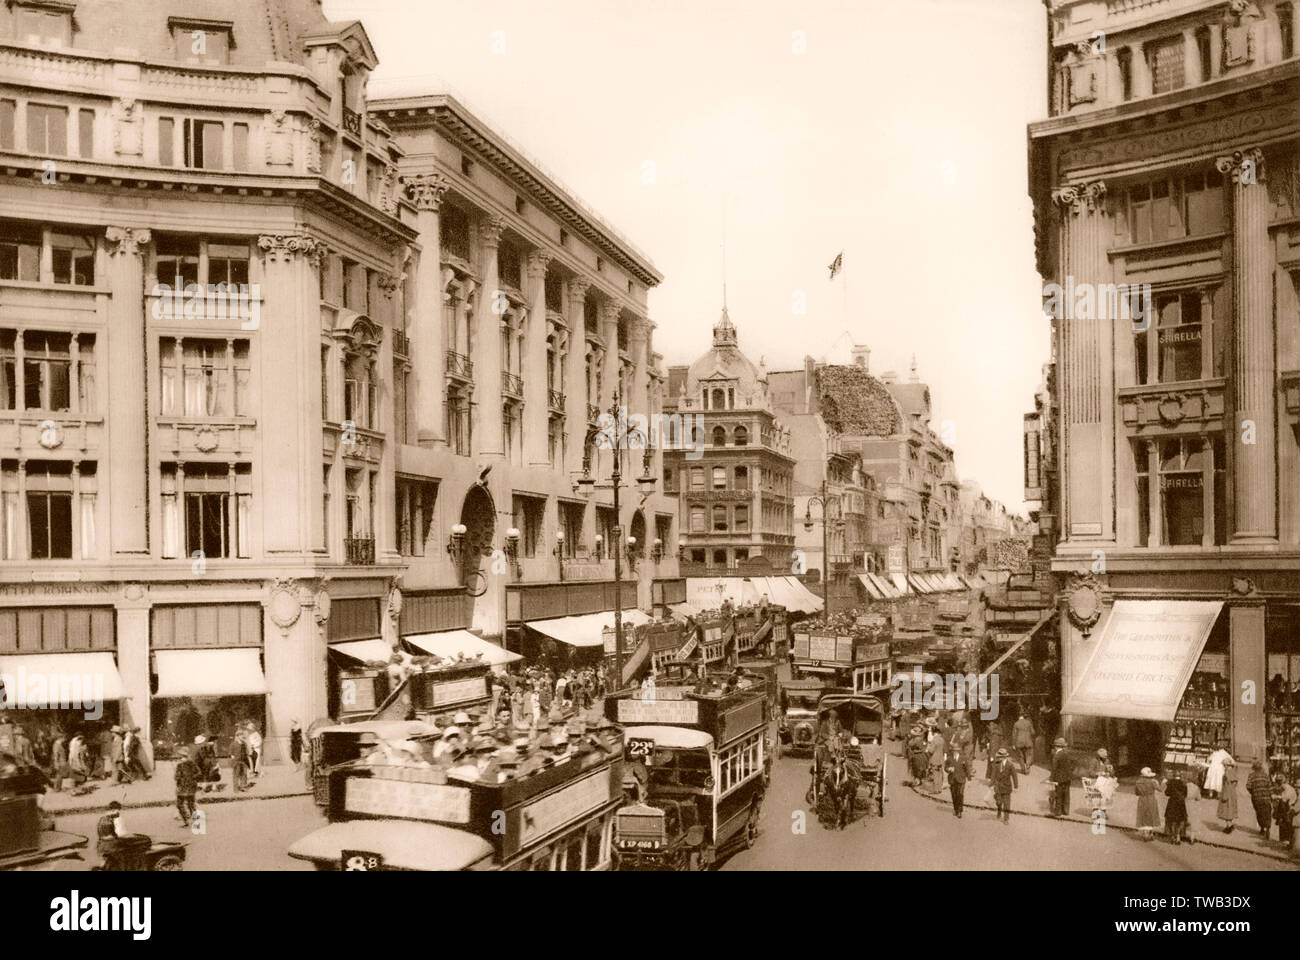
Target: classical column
(287, 486)
(128, 462)
(1253, 376)
(575, 397)
(1087, 367)
(426, 332)
(487, 344)
(608, 314)
(537, 401)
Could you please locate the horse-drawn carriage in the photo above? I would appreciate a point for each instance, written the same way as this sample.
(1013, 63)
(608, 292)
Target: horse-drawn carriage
(849, 769)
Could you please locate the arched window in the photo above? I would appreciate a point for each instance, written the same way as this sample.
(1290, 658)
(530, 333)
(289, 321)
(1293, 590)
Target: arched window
(741, 436)
(719, 400)
(719, 436)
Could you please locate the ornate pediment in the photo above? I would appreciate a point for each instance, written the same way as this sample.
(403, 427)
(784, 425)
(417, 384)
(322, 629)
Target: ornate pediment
(358, 332)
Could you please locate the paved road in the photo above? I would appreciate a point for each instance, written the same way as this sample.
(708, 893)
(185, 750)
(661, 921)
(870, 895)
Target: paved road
(919, 834)
(916, 834)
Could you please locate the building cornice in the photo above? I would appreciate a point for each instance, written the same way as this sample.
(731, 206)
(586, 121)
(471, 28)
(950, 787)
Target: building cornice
(251, 188)
(472, 134)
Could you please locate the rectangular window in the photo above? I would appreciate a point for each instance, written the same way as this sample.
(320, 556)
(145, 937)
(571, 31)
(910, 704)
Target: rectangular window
(201, 45)
(415, 503)
(7, 109)
(45, 28)
(1179, 332)
(49, 511)
(571, 520)
(1203, 53)
(741, 518)
(719, 478)
(227, 264)
(177, 260)
(86, 134)
(73, 259)
(239, 146)
(203, 141)
(47, 366)
(719, 519)
(528, 514)
(697, 520)
(1124, 57)
(20, 252)
(1286, 29)
(210, 378)
(47, 129)
(1166, 60)
(697, 478)
(166, 141)
(217, 502)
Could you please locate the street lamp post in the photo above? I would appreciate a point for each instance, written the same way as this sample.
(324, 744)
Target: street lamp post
(824, 520)
(588, 486)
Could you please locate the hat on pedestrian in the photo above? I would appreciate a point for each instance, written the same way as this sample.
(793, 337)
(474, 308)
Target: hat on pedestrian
(200, 740)
(462, 717)
(1146, 772)
(1229, 760)
(484, 745)
(1103, 754)
(450, 732)
(1002, 752)
(1059, 742)
(184, 752)
(115, 728)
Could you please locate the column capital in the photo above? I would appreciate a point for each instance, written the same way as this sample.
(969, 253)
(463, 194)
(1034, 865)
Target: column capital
(609, 311)
(1080, 196)
(127, 240)
(490, 231)
(426, 190)
(578, 287)
(538, 261)
(638, 330)
(286, 246)
(388, 283)
(1243, 166)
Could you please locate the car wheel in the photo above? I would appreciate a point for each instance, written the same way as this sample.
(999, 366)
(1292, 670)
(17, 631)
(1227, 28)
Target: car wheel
(169, 861)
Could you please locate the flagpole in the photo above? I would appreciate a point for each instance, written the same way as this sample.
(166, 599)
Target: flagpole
(845, 275)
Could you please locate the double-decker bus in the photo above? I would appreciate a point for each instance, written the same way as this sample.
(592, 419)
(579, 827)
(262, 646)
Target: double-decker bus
(400, 794)
(700, 766)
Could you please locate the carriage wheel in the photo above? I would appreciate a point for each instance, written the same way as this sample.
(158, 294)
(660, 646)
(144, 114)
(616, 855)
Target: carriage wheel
(751, 827)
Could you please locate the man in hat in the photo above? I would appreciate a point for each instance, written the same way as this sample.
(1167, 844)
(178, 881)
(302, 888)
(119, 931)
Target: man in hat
(205, 758)
(957, 767)
(1022, 739)
(116, 754)
(187, 785)
(1062, 773)
(1004, 780)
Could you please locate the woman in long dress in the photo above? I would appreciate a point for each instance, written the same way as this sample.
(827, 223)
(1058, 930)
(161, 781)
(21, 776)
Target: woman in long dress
(1214, 776)
(1227, 811)
(1176, 808)
(1148, 812)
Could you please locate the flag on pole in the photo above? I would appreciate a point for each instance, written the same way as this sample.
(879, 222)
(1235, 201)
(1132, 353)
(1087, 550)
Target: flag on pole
(837, 264)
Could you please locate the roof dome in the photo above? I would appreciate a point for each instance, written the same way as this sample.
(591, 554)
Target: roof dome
(724, 361)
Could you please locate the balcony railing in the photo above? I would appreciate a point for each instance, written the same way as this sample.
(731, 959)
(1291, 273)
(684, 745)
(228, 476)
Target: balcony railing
(556, 400)
(359, 550)
(512, 384)
(352, 122)
(460, 366)
(401, 344)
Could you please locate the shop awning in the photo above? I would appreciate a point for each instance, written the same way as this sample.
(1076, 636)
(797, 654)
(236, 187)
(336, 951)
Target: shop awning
(900, 582)
(919, 584)
(586, 630)
(236, 672)
(450, 644)
(42, 680)
(364, 651)
(791, 593)
(873, 591)
(1143, 659)
(884, 585)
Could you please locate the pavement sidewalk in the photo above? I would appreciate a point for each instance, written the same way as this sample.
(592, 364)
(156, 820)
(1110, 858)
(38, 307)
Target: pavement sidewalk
(277, 780)
(1033, 799)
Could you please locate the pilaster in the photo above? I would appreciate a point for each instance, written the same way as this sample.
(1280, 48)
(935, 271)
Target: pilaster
(426, 331)
(487, 365)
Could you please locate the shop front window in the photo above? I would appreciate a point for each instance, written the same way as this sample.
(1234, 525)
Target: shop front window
(1282, 690)
(1203, 720)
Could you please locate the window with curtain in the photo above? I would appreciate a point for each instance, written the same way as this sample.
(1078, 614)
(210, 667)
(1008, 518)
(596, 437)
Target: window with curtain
(49, 510)
(697, 520)
(47, 371)
(47, 129)
(205, 378)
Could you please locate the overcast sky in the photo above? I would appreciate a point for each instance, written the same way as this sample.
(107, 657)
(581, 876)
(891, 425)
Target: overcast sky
(897, 136)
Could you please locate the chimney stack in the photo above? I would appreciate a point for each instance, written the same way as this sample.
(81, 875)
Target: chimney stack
(861, 356)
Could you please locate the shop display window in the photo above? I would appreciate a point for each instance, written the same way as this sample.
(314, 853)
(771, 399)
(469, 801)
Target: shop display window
(1282, 690)
(1203, 720)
